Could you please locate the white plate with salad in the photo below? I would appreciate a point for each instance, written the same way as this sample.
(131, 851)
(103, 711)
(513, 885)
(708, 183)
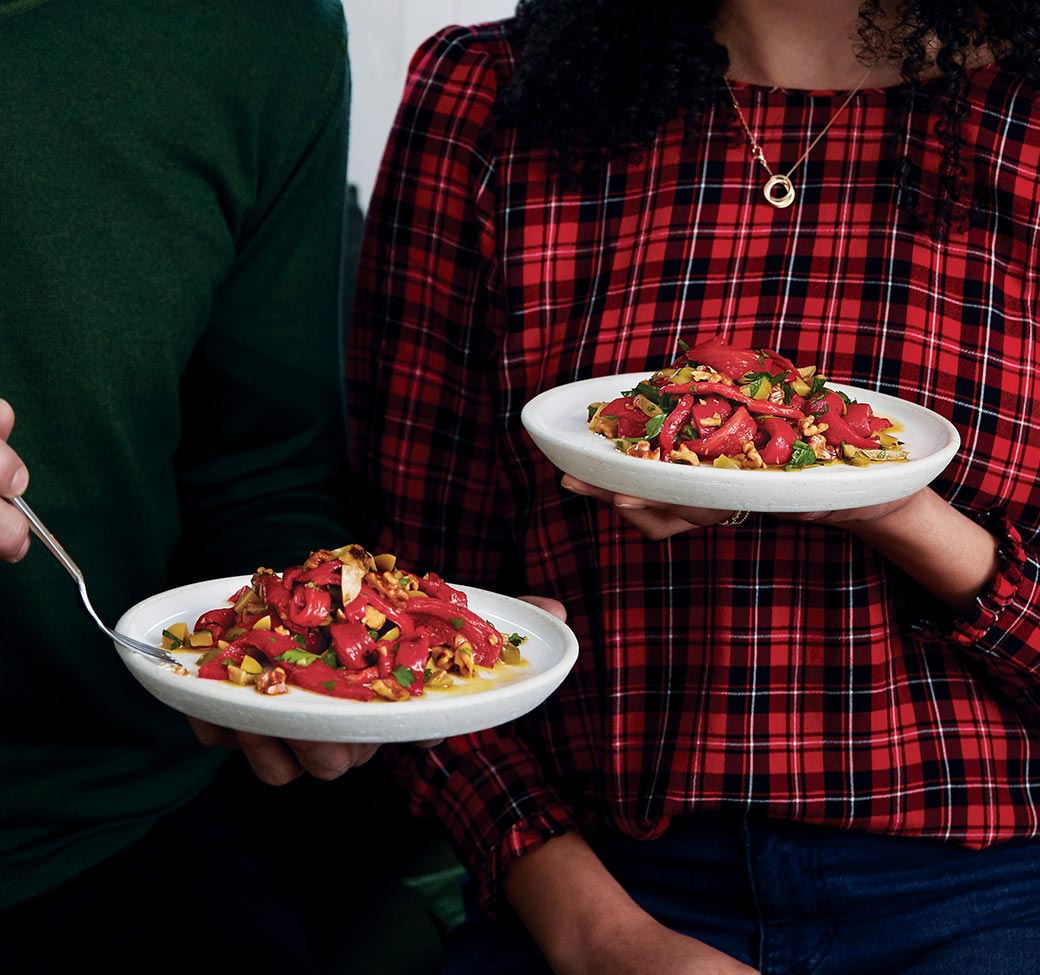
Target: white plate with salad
(493, 697)
(558, 422)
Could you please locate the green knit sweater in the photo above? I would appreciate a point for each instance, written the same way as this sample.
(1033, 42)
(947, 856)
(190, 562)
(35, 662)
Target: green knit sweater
(171, 201)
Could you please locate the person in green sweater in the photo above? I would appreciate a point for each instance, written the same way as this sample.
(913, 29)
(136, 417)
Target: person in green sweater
(171, 222)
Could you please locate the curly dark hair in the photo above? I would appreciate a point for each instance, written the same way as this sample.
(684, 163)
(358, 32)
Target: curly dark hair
(641, 63)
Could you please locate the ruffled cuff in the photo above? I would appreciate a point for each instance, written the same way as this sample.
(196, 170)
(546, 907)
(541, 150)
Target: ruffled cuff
(1002, 589)
(932, 620)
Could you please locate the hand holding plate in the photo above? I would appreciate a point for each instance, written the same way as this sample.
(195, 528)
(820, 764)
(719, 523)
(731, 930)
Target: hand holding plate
(277, 761)
(656, 520)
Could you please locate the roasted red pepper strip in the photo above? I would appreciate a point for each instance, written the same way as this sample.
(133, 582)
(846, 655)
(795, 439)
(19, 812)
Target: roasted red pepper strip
(739, 429)
(310, 606)
(760, 406)
(267, 642)
(433, 585)
(774, 363)
(724, 359)
(355, 609)
(273, 592)
(838, 432)
(216, 621)
(213, 670)
(351, 643)
(831, 407)
(673, 424)
(713, 408)
(365, 676)
(370, 597)
(862, 419)
(216, 669)
(386, 650)
(438, 631)
(779, 447)
(319, 676)
(324, 574)
(413, 655)
(292, 575)
(825, 403)
(631, 420)
(483, 637)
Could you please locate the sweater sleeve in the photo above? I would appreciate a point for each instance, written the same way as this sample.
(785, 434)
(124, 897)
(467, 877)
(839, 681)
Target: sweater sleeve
(267, 372)
(423, 417)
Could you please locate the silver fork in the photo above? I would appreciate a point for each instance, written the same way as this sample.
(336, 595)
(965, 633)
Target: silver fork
(41, 531)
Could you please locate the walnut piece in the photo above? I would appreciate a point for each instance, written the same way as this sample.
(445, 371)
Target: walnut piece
(271, 682)
(641, 449)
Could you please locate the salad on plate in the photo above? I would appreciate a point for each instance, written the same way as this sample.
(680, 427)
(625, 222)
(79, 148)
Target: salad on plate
(747, 409)
(347, 624)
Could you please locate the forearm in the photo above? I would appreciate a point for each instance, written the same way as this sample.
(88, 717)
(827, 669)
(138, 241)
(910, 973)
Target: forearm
(567, 899)
(950, 555)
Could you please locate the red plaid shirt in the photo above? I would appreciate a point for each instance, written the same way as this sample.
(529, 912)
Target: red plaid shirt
(779, 665)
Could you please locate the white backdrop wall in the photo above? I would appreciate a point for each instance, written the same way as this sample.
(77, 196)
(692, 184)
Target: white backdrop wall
(383, 37)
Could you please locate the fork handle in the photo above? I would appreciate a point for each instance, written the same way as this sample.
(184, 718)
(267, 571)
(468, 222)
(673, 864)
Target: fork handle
(41, 532)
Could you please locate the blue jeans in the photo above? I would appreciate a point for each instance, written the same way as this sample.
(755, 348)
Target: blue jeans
(791, 899)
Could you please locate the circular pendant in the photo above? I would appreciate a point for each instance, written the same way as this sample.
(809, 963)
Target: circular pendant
(786, 191)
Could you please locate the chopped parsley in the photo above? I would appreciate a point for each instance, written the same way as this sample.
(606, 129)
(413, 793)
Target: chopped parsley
(404, 676)
(664, 400)
(802, 456)
(818, 385)
(300, 657)
(754, 380)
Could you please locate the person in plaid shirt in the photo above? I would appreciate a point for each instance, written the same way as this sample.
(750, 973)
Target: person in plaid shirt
(801, 743)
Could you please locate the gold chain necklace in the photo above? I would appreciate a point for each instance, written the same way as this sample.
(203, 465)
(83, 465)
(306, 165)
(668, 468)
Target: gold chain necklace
(782, 181)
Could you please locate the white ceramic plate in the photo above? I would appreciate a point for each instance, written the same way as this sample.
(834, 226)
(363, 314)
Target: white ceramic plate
(557, 420)
(506, 692)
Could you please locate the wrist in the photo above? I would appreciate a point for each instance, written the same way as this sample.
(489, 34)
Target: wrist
(949, 554)
(569, 902)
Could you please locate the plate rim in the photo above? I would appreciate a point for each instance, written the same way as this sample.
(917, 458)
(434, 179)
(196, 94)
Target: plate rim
(682, 481)
(391, 718)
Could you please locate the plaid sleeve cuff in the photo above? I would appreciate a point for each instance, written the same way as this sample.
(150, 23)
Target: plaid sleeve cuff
(1001, 591)
(489, 795)
(522, 838)
(933, 620)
